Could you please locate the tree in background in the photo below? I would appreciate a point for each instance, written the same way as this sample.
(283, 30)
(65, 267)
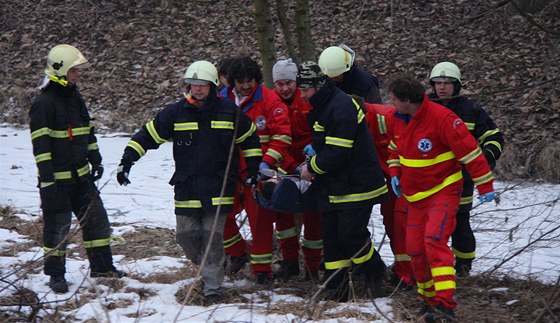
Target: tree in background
(266, 34)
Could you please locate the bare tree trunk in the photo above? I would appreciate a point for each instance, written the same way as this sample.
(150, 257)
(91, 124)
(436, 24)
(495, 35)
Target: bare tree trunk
(303, 31)
(265, 37)
(285, 25)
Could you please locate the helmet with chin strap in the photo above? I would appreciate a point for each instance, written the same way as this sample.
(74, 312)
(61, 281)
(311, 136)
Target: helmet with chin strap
(62, 58)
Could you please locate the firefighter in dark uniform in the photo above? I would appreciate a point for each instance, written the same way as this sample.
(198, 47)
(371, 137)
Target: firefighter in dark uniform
(346, 171)
(338, 63)
(207, 132)
(445, 80)
(64, 146)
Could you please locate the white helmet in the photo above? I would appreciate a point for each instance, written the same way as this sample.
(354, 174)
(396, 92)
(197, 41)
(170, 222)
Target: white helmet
(445, 72)
(62, 58)
(336, 60)
(201, 73)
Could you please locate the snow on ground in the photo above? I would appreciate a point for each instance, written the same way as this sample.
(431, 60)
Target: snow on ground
(519, 237)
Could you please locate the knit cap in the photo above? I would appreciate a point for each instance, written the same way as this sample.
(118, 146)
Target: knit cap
(284, 69)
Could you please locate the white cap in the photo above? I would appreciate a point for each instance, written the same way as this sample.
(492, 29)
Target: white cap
(284, 69)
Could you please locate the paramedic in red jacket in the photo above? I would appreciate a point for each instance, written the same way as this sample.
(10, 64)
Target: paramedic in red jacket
(393, 210)
(429, 143)
(270, 115)
(284, 74)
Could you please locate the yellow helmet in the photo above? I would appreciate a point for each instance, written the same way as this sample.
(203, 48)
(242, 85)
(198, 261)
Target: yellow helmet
(61, 59)
(445, 72)
(336, 60)
(201, 73)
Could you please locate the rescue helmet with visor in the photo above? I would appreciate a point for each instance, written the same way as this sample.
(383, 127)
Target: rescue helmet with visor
(202, 73)
(336, 60)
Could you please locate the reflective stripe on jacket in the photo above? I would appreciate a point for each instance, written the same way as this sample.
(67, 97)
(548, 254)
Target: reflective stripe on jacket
(62, 135)
(298, 109)
(346, 164)
(481, 126)
(376, 118)
(427, 152)
(202, 138)
(270, 115)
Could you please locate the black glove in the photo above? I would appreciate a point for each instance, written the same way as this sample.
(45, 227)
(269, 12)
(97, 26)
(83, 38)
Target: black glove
(490, 159)
(50, 199)
(122, 172)
(268, 188)
(252, 180)
(96, 172)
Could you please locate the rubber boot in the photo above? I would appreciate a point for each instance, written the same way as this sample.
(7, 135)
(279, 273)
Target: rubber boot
(463, 267)
(287, 269)
(101, 263)
(58, 284)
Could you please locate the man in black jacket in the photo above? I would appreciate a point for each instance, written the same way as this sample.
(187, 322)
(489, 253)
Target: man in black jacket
(338, 63)
(64, 146)
(207, 132)
(445, 80)
(344, 167)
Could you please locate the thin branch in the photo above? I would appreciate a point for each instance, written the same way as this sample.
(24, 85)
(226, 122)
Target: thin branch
(554, 295)
(198, 275)
(314, 299)
(521, 250)
(519, 208)
(478, 16)
(532, 21)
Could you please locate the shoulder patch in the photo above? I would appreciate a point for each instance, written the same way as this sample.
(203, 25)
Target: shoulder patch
(260, 122)
(457, 122)
(278, 111)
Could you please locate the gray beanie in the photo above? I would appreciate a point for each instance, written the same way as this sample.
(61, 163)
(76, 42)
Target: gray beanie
(284, 69)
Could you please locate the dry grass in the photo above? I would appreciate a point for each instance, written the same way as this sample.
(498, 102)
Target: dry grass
(480, 298)
(547, 161)
(491, 299)
(161, 242)
(32, 230)
(14, 102)
(539, 161)
(190, 294)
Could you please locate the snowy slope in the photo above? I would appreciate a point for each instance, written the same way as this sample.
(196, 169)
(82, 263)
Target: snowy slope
(519, 237)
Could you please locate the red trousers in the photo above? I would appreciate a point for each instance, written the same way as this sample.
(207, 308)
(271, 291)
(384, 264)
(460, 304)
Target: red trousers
(431, 222)
(312, 244)
(394, 214)
(261, 222)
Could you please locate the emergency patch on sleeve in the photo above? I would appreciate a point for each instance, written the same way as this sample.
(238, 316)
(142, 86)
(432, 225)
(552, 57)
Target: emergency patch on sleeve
(457, 123)
(278, 111)
(260, 122)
